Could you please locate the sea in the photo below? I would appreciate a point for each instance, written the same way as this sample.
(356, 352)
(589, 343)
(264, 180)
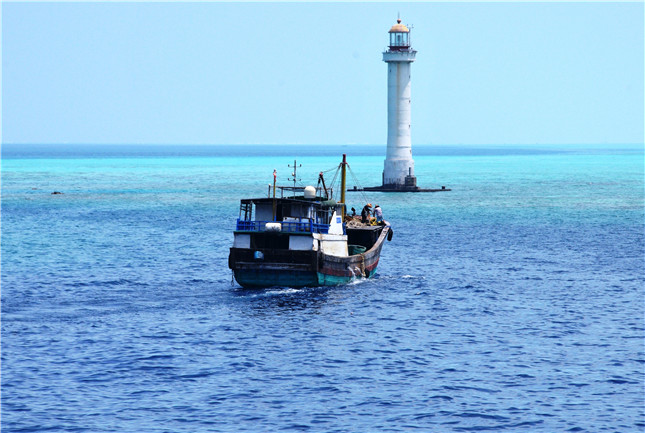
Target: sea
(515, 302)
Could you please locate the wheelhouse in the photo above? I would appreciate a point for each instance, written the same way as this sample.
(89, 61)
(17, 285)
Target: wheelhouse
(293, 215)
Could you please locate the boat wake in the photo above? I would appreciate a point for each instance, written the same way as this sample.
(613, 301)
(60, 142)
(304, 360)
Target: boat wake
(356, 280)
(283, 291)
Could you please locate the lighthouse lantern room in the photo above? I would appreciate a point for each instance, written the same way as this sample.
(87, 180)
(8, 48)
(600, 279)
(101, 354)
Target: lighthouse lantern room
(399, 37)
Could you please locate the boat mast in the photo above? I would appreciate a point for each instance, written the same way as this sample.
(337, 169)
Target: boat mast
(295, 168)
(275, 175)
(343, 182)
(322, 179)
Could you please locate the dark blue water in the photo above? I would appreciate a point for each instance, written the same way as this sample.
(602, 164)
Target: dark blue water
(513, 303)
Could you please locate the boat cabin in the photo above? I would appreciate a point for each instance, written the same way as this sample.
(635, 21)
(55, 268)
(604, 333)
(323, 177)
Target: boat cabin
(294, 214)
(299, 224)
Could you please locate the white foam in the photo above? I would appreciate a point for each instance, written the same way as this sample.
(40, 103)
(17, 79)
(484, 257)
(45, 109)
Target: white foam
(283, 291)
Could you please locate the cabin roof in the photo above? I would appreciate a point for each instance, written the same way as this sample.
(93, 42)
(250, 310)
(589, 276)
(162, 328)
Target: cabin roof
(318, 201)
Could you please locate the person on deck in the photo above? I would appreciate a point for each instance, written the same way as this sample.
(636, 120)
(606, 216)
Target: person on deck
(365, 213)
(378, 213)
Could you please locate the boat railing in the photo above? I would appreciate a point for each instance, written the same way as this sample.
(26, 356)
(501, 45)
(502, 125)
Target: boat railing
(287, 226)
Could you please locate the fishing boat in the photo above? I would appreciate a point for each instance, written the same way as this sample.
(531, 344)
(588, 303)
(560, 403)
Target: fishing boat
(303, 240)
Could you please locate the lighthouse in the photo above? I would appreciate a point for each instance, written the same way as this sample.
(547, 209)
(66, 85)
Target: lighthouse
(398, 172)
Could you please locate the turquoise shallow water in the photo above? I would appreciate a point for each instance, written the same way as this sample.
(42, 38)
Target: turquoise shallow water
(514, 302)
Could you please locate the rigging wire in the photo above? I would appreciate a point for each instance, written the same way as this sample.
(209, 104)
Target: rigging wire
(301, 184)
(333, 181)
(330, 185)
(362, 191)
(334, 188)
(322, 171)
(331, 169)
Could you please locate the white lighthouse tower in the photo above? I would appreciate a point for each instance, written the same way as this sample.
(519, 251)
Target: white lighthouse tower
(398, 172)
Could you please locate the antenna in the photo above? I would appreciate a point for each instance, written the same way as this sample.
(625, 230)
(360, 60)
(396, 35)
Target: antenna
(295, 168)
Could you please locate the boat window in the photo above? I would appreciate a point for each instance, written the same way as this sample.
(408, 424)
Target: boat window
(246, 211)
(264, 211)
(323, 216)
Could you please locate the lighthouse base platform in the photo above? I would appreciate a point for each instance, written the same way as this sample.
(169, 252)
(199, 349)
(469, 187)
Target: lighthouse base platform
(398, 188)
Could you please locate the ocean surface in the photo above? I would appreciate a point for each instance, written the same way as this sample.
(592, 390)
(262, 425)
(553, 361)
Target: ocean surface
(514, 302)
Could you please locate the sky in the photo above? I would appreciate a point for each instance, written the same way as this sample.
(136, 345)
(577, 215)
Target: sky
(312, 73)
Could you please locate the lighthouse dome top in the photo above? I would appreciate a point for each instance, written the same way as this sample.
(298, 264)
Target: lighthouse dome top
(399, 37)
(399, 28)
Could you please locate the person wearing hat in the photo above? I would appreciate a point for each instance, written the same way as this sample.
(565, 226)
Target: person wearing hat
(365, 213)
(378, 213)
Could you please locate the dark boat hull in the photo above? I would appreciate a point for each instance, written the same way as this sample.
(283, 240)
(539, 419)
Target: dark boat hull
(288, 268)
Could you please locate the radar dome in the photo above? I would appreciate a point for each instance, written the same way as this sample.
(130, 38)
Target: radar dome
(310, 192)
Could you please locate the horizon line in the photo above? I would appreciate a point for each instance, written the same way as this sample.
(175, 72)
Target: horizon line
(321, 144)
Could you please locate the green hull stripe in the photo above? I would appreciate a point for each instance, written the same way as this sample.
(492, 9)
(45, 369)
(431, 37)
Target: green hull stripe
(260, 279)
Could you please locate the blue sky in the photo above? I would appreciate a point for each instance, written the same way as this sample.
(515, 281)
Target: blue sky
(311, 73)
